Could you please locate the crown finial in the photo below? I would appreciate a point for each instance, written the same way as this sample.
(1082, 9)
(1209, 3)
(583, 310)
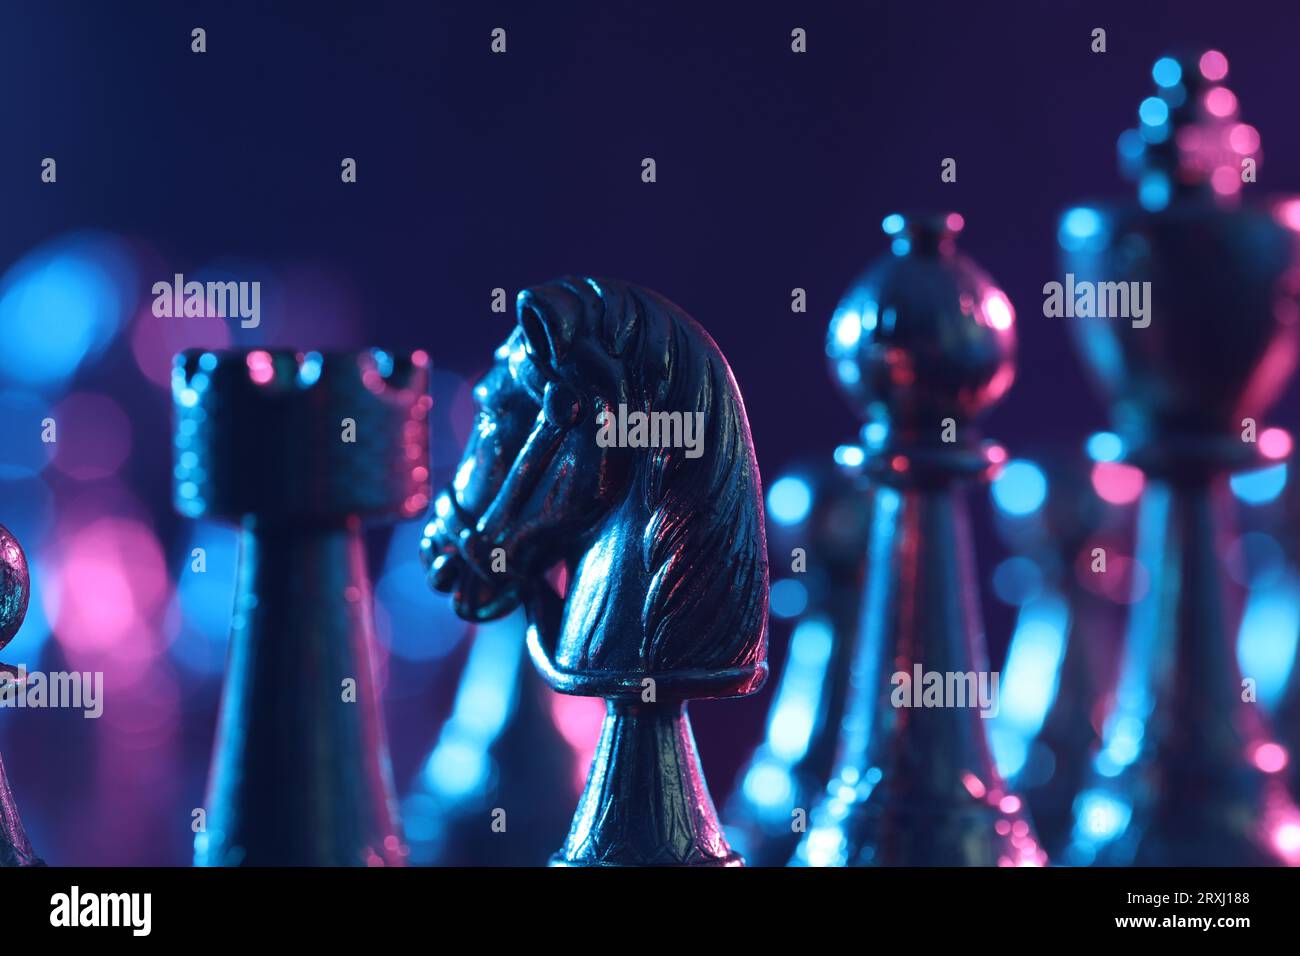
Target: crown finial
(1190, 139)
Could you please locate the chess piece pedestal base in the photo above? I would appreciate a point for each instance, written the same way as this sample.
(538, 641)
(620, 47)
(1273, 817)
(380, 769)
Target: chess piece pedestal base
(1178, 777)
(646, 802)
(916, 784)
(300, 776)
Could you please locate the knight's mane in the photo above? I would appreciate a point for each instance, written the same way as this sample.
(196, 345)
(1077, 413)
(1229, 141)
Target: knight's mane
(703, 545)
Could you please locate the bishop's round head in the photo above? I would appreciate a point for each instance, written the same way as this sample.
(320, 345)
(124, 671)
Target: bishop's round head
(15, 586)
(924, 341)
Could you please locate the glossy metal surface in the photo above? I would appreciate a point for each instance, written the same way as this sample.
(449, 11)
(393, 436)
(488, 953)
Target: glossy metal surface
(1182, 774)
(822, 508)
(922, 337)
(663, 553)
(502, 748)
(300, 774)
(15, 589)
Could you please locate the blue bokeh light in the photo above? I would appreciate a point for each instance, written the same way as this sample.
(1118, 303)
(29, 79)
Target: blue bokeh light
(1021, 489)
(789, 500)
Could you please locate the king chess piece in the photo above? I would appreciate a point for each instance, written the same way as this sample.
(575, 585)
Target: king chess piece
(613, 443)
(15, 589)
(921, 345)
(298, 449)
(818, 515)
(1186, 773)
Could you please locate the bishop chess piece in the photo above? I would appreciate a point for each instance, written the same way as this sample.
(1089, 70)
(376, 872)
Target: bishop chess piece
(15, 589)
(502, 748)
(298, 449)
(613, 444)
(921, 345)
(1186, 773)
(818, 515)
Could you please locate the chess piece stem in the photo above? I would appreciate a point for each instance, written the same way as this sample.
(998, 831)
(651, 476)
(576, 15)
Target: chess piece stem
(646, 803)
(302, 607)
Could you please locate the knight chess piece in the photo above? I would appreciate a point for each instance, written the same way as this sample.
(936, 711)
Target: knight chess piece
(1186, 773)
(298, 449)
(818, 515)
(502, 747)
(15, 589)
(921, 345)
(615, 447)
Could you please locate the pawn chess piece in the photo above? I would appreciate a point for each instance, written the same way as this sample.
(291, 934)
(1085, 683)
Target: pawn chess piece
(921, 345)
(298, 449)
(502, 747)
(817, 526)
(1186, 774)
(614, 443)
(15, 589)
(1053, 530)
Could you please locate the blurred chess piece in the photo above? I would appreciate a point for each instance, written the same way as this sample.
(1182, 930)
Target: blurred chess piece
(1061, 660)
(1186, 773)
(613, 442)
(298, 449)
(922, 344)
(15, 589)
(502, 747)
(818, 514)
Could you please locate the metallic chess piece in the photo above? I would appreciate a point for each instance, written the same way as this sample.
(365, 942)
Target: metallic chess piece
(299, 449)
(818, 515)
(15, 589)
(1182, 776)
(613, 441)
(502, 747)
(922, 344)
(1064, 647)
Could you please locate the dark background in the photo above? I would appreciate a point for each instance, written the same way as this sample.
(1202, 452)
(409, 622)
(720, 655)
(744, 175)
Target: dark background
(478, 170)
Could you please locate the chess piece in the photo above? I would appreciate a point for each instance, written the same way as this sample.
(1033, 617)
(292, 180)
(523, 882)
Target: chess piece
(1064, 645)
(15, 589)
(501, 748)
(1186, 774)
(298, 449)
(921, 345)
(817, 525)
(613, 442)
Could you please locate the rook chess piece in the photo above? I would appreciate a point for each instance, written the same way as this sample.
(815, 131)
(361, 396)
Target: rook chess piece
(921, 345)
(613, 443)
(298, 449)
(1186, 774)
